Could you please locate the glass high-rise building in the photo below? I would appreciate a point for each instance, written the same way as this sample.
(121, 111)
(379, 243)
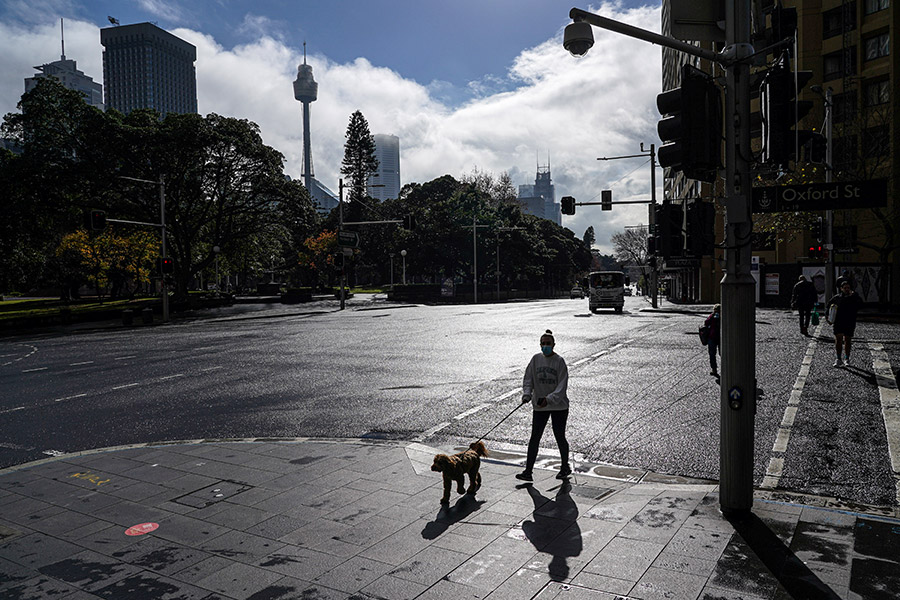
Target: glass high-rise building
(387, 151)
(147, 67)
(66, 72)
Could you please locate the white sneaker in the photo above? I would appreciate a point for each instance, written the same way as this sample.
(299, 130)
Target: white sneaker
(847, 361)
(837, 363)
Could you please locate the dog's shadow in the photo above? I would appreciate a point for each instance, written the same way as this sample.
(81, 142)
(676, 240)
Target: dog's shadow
(448, 515)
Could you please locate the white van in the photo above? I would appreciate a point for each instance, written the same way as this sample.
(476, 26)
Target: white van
(606, 290)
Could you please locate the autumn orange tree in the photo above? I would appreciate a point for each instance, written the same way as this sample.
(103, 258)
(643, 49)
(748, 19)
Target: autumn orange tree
(122, 262)
(317, 256)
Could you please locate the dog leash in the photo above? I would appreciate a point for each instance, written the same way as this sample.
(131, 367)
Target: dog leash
(501, 421)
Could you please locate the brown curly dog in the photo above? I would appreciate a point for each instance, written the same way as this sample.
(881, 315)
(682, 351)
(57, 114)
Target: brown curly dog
(455, 468)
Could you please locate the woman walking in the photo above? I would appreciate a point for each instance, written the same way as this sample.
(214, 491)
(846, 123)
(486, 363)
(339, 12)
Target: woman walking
(848, 303)
(545, 384)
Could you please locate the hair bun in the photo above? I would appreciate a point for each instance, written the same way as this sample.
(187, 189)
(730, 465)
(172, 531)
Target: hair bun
(548, 332)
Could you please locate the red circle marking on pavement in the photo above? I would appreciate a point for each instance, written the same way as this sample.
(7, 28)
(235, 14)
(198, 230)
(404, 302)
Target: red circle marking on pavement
(141, 529)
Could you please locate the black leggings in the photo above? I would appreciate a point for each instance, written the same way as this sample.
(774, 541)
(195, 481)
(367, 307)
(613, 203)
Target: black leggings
(538, 423)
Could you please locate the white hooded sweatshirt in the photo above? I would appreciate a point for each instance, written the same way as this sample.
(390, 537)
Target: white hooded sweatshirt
(547, 377)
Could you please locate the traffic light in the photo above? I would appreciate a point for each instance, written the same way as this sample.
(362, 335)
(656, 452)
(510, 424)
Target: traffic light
(781, 113)
(815, 148)
(701, 222)
(409, 222)
(651, 245)
(670, 236)
(606, 200)
(693, 127)
(816, 252)
(784, 25)
(95, 219)
(568, 205)
(819, 229)
(166, 265)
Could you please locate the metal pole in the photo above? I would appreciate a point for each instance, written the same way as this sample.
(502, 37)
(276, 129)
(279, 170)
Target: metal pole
(829, 214)
(498, 266)
(162, 221)
(738, 314)
(341, 228)
(654, 283)
(475, 256)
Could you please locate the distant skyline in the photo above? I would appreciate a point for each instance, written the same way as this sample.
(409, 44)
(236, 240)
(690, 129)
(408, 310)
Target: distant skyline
(479, 84)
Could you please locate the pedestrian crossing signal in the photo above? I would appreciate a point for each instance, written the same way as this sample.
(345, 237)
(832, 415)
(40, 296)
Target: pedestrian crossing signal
(166, 265)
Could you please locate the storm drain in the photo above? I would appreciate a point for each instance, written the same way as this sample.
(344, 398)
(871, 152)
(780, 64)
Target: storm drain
(212, 494)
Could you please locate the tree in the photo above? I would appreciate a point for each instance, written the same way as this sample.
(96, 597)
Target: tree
(589, 237)
(630, 246)
(359, 156)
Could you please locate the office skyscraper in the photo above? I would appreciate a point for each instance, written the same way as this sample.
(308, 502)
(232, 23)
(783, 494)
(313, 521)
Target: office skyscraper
(66, 72)
(147, 67)
(387, 151)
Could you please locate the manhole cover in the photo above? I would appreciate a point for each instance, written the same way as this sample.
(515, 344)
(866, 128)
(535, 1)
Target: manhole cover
(211, 494)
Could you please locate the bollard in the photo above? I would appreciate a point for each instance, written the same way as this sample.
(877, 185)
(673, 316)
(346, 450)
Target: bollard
(127, 317)
(147, 316)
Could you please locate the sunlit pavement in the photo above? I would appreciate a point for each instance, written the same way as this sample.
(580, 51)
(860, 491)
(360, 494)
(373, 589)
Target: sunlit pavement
(313, 518)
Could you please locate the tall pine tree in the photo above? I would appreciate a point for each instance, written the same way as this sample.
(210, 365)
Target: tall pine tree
(589, 238)
(359, 156)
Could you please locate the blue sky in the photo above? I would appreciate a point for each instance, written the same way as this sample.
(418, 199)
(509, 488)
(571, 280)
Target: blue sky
(473, 84)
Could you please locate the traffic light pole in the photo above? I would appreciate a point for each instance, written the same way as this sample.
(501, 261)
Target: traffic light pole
(654, 278)
(738, 321)
(738, 316)
(829, 214)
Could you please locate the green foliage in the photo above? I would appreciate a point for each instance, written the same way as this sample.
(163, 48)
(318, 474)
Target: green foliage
(359, 156)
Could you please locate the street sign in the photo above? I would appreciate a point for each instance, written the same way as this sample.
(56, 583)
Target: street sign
(348, 239)
(820, 196)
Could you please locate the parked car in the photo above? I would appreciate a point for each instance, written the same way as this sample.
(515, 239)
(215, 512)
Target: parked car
(576, 292)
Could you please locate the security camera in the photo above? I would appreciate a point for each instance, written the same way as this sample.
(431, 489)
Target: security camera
(578, 38)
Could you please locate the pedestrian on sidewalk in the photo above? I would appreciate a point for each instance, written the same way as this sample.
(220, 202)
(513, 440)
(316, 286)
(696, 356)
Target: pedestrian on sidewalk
(545, 384)
(845, 276)
(803, 298)
(712, 345)
(847, 303)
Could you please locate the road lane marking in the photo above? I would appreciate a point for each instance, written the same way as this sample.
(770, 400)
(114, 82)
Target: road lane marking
(889, 396)
(70, 397)
(171, 376)
(210, 369)
(127, 385)
(84, 362)
(125, 357)
(776, 463)
(471, 411)
(7, 363)
(9, 410)
(35, 369)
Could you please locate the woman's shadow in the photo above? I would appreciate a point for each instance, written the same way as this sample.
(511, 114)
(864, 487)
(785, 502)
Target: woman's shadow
(555, 529)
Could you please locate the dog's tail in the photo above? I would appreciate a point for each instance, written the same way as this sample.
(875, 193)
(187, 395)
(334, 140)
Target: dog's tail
(479, 448)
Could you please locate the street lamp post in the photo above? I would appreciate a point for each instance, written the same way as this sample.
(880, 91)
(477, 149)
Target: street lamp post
(216, 251)
(162, 226)
(829, 173)
(403, 254)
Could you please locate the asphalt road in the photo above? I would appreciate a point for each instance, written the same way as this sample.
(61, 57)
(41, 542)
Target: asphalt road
(639, 383)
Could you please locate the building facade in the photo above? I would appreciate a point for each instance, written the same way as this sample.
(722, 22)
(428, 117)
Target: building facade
(848, 47)
(147, 67)
(66, 71)
(540, 199)
(387, 151)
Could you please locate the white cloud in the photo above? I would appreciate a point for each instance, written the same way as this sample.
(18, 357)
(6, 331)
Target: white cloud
(573, 110)
(169, 11)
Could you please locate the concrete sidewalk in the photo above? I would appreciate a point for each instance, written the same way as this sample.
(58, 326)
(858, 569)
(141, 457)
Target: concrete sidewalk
(360, 519)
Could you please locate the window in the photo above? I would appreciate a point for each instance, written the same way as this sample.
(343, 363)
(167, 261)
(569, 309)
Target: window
(876, 141)
(873, 6)
(878, 92)
(839, 64)
(836, 21)
(877, 46)
(844, 106)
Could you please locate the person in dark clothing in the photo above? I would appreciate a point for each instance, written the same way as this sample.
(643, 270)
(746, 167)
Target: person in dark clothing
(803, 298)
(845, 276)
(712, 321)
(848, 304)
